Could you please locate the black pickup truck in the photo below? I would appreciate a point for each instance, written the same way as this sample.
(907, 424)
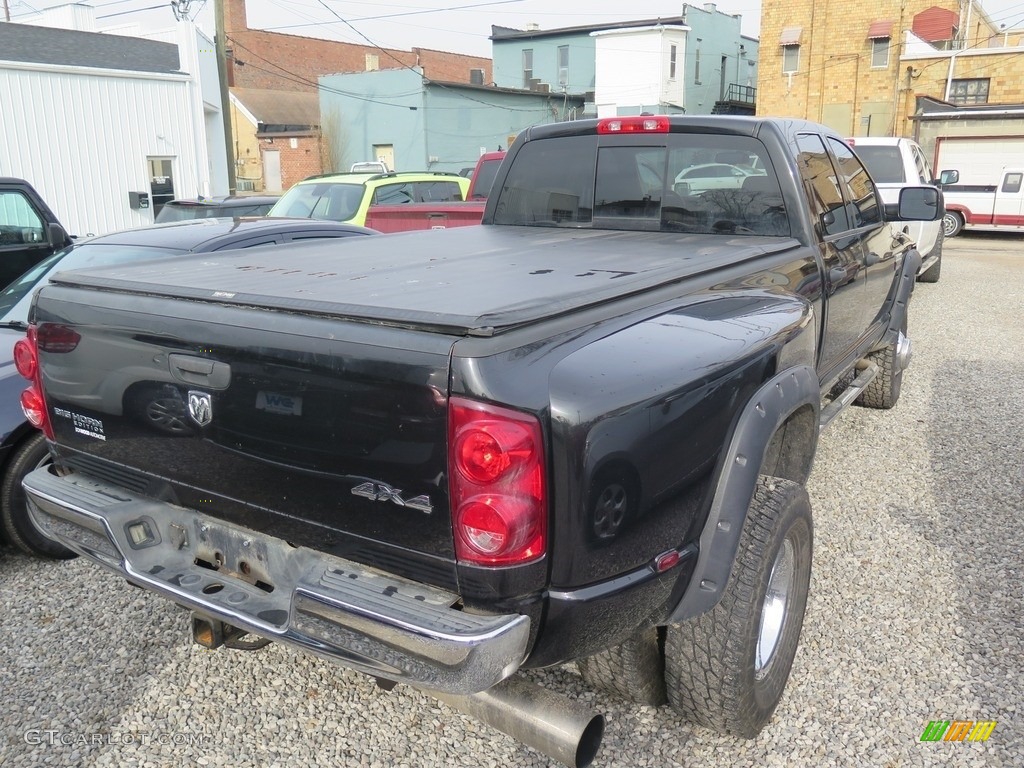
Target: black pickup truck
(579, 432)
(29, 231)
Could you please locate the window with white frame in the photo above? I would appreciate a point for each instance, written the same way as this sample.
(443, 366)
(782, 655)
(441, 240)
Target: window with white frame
(672, 62)
(527, 67)
(880, 52)
(563, 65)
(790, 59)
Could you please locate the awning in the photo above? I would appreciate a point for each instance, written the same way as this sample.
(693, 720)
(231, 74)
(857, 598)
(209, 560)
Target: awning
(791, 36)
(879, 29)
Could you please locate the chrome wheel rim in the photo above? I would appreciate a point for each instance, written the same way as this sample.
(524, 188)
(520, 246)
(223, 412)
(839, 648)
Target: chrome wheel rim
(167, 414)
(775, 608)
(949, 224)
(610, 510)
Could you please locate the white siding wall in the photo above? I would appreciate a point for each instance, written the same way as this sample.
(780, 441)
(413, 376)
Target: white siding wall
(673, 91)
(81, 137)
(197, 55)
(632, 67)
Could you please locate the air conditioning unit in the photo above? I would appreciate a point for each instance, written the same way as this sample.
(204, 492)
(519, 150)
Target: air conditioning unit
(245, 185)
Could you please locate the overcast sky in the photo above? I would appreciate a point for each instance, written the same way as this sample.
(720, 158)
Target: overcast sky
(462, 26)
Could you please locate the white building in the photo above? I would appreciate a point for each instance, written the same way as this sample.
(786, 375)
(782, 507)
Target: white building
(91, 118)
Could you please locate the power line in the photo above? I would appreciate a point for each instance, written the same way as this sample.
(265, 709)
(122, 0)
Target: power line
(403, 65)
(300, 79)
(136, 10)
(390, 15)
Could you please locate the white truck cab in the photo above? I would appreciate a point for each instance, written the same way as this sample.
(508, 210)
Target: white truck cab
(895, 163)
(998, 206)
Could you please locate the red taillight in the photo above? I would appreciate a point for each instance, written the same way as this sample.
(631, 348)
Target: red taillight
(26, 360)
(496, 478)
(33, 407)
(51, 337)
(633, 124)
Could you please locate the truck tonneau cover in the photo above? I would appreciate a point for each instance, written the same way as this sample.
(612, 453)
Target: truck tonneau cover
(532, 274)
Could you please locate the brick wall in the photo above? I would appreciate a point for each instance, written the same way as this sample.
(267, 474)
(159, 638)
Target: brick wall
(278, 61)
(296, 162)
(452, 67)
(835, 82)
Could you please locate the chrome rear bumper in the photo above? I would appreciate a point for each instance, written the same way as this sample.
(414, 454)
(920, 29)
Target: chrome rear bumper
(365, 619)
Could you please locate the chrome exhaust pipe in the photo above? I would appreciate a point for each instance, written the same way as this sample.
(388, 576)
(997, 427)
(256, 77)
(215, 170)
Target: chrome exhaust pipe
(558, 727)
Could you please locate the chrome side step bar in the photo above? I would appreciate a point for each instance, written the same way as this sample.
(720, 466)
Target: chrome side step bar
(866, 372)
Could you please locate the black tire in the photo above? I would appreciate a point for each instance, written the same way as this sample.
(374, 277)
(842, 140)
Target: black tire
(28, 455)
(633, 670)
(721, 669)
(952, 223)
(931, 275)
(884, 390)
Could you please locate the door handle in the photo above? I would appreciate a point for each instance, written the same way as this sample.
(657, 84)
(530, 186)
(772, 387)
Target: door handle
(200, 371)
(837, 275)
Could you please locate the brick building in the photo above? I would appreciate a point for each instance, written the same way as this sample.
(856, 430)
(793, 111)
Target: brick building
(860, 67)
(277, 138)
(274, 104)
(275, 61)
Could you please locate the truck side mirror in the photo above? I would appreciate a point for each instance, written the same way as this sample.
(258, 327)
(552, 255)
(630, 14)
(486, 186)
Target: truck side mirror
(949, 177)
(920, 204)
(56, 236)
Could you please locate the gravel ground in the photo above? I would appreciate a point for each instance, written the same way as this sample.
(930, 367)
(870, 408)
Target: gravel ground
(916, 610)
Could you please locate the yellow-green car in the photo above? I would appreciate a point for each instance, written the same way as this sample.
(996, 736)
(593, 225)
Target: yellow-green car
(346, 197)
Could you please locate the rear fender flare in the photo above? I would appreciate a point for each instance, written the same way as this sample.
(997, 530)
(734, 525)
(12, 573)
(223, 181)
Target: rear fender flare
(766, 412)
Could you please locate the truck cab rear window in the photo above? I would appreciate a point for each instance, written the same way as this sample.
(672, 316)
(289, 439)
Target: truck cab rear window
(711, 184)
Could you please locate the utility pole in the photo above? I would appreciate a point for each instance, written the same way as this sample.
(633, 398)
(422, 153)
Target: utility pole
(225, 99)
(7, 12)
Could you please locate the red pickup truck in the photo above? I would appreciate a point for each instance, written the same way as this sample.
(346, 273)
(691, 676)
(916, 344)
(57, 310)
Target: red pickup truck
(440, 215)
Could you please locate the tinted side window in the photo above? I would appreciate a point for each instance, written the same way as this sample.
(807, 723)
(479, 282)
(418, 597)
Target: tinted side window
(884, 163)
(924, 170)
(485, 174)
(394, 194)
(438, 192)
(819, 177)
(1011, 182)
(854, 178)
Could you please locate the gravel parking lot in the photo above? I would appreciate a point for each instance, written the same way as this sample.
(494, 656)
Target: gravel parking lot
(916, 610)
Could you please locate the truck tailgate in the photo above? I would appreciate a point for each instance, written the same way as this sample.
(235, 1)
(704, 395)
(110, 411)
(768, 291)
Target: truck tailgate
(336, 431)
(413, 216)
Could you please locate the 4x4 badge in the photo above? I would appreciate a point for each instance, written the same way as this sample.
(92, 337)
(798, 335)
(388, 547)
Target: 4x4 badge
(384, 492)
(200, 407)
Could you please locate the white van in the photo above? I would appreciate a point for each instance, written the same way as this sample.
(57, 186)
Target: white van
(895, 163)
